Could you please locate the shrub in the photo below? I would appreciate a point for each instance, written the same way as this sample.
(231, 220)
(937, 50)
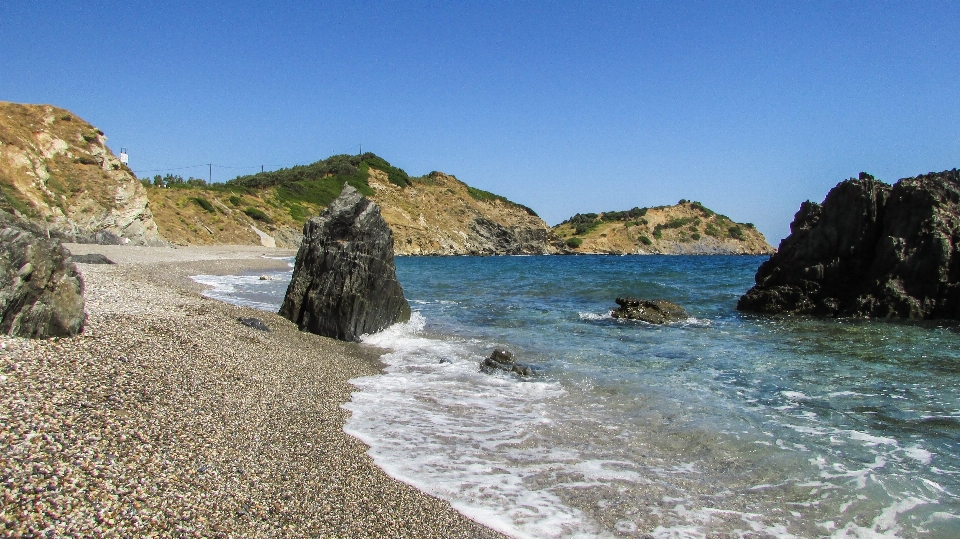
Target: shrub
(695, 236)
(235, 200)
(735, 232)
(750, 225)
(623, 215)
(205, 204)
(645, 240)
(258, 215)
(712, 230)
(573, 243)
(657, 233)
(679, 222)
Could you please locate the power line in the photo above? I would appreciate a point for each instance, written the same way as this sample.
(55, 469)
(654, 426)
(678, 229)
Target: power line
(232, 167)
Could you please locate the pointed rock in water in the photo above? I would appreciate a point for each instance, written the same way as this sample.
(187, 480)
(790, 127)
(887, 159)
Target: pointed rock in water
(870, 250)
(652, 311)
(344, 279)
(41, 291)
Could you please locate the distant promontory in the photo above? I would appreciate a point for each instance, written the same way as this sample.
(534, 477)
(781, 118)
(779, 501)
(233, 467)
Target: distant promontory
(688, 228)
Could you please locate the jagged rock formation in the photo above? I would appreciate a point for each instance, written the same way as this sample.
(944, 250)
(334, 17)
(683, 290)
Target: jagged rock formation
(687, 228)
(56, 170)
(652, 311)
(344, 280)
(440, 215)
(869, 251)
(41, 292)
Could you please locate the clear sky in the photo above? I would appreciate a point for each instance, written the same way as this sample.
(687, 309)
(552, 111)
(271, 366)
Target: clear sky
(566, 107)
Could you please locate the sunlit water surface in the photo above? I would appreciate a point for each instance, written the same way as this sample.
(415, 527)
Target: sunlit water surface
(724, 425)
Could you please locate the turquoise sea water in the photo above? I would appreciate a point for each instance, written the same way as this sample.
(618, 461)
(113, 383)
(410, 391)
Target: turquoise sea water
(725, 425)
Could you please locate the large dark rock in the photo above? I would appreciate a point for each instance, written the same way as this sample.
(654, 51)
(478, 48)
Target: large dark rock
(652, 311)
(870, 250)
(344, 280)
(41, 292)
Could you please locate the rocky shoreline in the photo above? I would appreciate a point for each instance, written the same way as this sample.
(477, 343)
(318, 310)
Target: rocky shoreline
(168, 417)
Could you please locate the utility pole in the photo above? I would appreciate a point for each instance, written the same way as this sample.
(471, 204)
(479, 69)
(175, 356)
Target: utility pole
(210, 177)
(261, 169)
(361, 150)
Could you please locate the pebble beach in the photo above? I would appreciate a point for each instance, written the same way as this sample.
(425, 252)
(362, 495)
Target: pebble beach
(167, 417)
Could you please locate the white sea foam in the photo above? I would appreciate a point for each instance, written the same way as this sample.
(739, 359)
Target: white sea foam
(435, 421)
(595, 316)
(919, 454)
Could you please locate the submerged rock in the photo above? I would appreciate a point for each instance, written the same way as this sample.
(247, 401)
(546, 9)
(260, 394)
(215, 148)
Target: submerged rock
(344, 280)
(652, 311)
(41, 291)
(870, 250)
(504, 360)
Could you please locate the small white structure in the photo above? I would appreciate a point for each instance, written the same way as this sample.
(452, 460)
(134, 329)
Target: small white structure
(123, 156)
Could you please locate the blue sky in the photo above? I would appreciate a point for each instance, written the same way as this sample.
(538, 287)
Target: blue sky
(566, 107)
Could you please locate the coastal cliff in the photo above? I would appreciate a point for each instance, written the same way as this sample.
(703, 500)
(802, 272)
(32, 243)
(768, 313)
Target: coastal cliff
(56, 170)
(440, 215)
(869, 250)
(687, 228)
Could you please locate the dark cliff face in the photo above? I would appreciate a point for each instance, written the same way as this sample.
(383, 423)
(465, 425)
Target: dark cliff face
(344, 280)
(869, 251)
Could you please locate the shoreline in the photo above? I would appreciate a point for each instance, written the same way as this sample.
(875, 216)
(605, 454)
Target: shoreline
(167, 417)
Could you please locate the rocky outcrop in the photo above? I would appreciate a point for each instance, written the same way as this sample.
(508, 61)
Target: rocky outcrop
(869, 250)
(503, 360)
(41, 292)
(56, 170)
(344, 280)
(652, 311)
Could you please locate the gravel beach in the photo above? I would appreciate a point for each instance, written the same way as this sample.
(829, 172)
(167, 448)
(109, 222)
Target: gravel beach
(169, 418)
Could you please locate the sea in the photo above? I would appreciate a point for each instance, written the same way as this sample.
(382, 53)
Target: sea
(723, 425)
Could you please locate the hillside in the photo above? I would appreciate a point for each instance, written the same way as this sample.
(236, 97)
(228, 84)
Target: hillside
(434, 214)
(686, 228)
(56, 170)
